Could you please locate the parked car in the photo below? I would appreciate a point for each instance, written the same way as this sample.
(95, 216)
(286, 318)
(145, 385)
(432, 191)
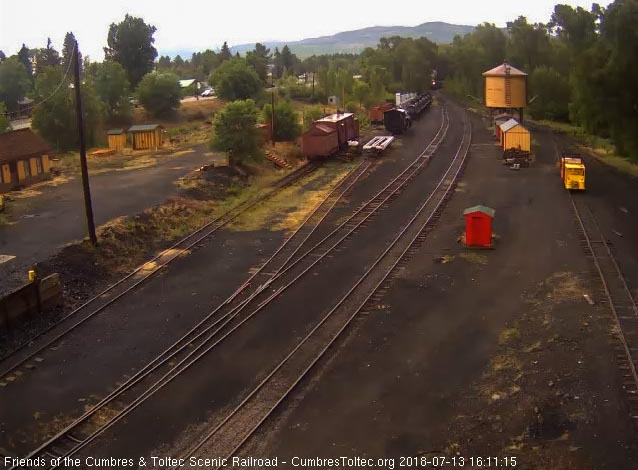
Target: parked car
(208, 92)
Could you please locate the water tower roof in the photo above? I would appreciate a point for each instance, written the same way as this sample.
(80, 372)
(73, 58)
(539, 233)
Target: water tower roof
(500, 71)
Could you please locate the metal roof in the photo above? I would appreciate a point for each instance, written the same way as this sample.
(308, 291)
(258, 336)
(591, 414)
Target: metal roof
(187, 83)
(500, 71)
(144, 127)
(322, 129)
(115, 132)
(480, 208)
(509, 125)
(335, 117)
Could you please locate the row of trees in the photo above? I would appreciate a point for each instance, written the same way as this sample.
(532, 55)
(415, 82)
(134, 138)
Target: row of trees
(580, 67)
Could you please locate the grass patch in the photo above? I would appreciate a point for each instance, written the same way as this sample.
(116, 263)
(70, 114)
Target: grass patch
(564, 287)
(508, 336)
(474, 258)
(599, 147)
(289, 208)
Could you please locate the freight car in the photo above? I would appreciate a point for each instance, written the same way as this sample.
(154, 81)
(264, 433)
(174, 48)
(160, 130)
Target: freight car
(328, 135)
(375, 114)
(397, 120)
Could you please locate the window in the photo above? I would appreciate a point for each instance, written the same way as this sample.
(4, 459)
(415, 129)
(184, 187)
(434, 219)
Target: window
(27, 168)
(38, 164)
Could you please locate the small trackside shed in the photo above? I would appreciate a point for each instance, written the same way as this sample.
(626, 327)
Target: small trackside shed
(478, 226)
(117, 139)
(320, 141)
(147, 136)
(24, 159)
(515, 136)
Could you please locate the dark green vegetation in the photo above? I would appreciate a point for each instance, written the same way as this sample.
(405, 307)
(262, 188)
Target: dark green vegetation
(131, 44)
(159, 93)
(581, 65)
(236, 131)
(288, 126)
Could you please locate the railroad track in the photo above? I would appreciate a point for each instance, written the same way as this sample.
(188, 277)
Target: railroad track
(217, 325)
(232, 432)
(37, 344)
(617, 295)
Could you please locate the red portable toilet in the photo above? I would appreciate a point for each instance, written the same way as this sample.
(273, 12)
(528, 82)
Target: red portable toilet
(478, 226)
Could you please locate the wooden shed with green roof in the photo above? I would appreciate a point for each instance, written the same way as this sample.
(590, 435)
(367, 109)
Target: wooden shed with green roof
(147, 136)
(117, 139)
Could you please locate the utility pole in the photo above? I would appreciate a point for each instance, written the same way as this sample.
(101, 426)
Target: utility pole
(85, 171)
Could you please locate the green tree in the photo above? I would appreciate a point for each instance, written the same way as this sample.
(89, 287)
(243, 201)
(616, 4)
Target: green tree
(159, 93)
(287, 126)
(4, 119)
(14, 82)
(552, 94)
(528, 44)
(113, 89)
(258, 60)
(224, 53)
(130, 43)
(24, 56)
(55, 118)
(67, 50)
(235, 80)
(236, 131)
(311, 114)
(361, 92)
(620, 38)
(46, 57)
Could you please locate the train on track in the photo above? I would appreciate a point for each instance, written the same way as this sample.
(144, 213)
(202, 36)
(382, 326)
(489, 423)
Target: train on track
(398, 120)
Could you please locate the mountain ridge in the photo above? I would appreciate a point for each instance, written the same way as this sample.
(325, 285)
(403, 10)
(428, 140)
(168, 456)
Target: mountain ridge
(353, 41)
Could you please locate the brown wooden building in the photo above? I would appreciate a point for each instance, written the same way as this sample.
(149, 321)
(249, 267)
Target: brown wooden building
(117, 139)
(24, 159)
(147, 136)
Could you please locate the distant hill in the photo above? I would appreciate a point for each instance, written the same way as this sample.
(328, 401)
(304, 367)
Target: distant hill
(357, 40)
(353, 41)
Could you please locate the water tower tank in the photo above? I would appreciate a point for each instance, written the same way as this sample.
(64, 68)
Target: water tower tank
(505, 87)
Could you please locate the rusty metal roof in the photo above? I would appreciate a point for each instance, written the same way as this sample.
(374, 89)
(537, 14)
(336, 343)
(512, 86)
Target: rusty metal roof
(23, 143)
(501, 70)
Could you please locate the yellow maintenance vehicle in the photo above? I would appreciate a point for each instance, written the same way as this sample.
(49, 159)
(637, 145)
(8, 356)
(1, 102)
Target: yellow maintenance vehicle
(572, 172)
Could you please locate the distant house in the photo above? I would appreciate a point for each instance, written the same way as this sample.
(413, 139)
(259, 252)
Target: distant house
(24, 159)
(147, 136)
(25, 108)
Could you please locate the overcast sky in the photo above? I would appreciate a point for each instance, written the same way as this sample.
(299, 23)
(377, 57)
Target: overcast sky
(197, 25)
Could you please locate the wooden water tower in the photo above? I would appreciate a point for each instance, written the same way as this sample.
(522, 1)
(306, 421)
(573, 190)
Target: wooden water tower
(506, 89)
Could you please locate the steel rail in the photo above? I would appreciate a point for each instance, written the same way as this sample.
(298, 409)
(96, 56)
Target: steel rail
(216, 224)
(331, 199)
(464, 147)
(615, 271)
(183, 364)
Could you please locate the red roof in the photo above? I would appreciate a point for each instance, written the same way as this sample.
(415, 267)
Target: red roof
(23, 143)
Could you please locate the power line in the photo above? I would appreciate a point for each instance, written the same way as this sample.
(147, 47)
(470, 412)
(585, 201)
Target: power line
(66, 73)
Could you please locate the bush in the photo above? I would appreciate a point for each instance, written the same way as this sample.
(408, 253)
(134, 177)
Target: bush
(235, 80)
(236, 131)
(311, 114)
(287, 125)
(352, 106)
(159, 93)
